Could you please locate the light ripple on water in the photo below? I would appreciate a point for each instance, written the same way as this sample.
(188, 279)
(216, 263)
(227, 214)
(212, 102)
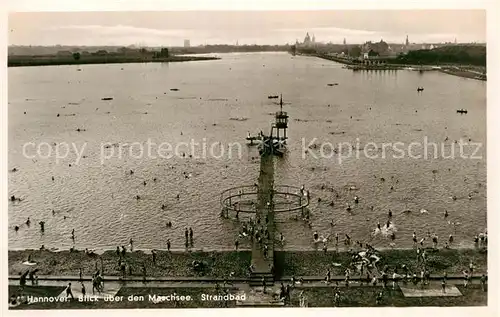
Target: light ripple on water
(100, 198)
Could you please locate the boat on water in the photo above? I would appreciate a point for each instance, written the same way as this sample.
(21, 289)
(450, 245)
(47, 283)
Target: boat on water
(462, 111)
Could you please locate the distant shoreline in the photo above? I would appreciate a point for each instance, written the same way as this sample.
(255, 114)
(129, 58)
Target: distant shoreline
(446, 69)
(26, 61)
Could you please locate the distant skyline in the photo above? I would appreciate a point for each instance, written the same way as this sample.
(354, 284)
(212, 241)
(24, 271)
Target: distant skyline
(245, 27)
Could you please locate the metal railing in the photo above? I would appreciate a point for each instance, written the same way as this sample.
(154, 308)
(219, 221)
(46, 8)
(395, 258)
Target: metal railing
(238, 198)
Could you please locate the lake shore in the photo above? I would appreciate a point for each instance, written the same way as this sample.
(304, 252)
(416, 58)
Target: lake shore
(24, 61)
(222, 264)
(446, 69)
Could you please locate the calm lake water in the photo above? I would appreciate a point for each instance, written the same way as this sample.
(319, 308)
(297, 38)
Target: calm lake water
(97, 197)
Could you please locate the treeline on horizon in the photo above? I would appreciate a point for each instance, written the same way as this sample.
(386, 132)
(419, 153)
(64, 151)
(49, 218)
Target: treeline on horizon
(460, 54)
(467, 54)
(78, 59)
(219, 48)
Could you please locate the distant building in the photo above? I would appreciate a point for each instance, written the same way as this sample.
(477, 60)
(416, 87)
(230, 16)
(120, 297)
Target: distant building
(308, 41)
(345, 41)
(407, 41)
(187, 43)
(379, 48)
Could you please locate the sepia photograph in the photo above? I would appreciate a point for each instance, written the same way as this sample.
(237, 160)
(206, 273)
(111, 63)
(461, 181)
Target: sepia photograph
(235, 159)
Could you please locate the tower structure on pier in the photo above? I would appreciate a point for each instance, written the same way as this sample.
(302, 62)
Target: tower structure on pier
(281, 123)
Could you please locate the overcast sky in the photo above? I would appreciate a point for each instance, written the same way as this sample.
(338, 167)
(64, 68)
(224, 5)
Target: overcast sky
(258, 27)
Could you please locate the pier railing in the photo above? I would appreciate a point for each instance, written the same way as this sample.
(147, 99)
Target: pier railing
(244, 199)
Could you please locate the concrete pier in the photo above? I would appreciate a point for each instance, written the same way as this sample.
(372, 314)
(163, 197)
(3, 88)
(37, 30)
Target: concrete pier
(263, 263)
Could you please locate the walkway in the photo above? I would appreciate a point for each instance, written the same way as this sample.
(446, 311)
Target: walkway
(261, 263)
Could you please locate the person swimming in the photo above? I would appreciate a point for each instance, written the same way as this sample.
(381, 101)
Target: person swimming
(315, 236)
